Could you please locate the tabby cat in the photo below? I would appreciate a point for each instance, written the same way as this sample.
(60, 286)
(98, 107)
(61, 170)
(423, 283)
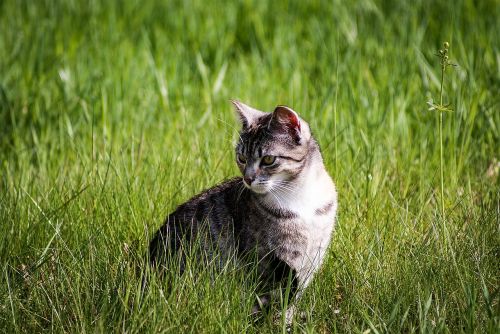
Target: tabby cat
(283, 208)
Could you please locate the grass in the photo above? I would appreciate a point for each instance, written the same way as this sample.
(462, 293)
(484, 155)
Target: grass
(113, 113)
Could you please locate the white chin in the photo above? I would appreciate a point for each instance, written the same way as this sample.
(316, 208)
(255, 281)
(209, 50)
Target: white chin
(258, 189)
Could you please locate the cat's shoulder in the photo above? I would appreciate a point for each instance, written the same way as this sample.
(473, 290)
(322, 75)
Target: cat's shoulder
(224, 188)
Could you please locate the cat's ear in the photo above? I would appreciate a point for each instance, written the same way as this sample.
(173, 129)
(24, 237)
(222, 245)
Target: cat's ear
(287, 119)
(247, 114)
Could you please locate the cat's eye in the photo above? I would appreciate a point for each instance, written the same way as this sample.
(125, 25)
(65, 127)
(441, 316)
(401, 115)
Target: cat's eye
(268, 160)
(241, 159)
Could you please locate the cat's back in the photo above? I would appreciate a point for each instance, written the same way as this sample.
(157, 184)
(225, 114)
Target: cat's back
(218, 209)
(218, 200)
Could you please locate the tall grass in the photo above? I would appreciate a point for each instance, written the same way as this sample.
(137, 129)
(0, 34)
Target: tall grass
(112, 113)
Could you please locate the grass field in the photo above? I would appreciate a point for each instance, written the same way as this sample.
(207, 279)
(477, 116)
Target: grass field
(113, 113)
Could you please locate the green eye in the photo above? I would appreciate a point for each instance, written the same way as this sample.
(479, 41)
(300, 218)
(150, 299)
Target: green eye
(268, 160)
(241, 159)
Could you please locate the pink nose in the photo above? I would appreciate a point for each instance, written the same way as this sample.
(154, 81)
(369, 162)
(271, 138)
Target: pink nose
(248, 180)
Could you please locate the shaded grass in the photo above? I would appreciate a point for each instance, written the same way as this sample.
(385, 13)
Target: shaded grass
(111, 114)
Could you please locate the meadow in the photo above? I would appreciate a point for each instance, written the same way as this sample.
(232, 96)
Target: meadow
(114, 112)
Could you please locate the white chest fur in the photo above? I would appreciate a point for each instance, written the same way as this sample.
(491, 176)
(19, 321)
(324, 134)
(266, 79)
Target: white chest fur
(315, 204)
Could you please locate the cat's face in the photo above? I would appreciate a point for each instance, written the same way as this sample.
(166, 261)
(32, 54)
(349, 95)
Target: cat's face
(272, 148)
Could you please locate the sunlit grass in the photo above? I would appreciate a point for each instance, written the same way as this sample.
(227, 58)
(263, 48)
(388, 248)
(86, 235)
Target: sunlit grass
(112, 113)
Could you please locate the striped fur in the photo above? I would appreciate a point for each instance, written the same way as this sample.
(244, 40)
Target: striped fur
(284, 210)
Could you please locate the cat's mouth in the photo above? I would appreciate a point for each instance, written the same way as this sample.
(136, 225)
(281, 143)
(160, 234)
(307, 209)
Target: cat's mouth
(258, 187)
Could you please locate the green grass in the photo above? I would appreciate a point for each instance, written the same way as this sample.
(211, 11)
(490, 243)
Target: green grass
(112, 113)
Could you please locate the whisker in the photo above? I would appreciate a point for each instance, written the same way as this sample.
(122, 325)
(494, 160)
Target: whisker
(282, 186)
(289, 190)
(284, 195)
(283, 182)
(280, 205)
(230, 125)
(242, 189)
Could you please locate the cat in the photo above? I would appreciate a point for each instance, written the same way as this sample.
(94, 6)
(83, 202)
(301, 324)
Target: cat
(283, 206)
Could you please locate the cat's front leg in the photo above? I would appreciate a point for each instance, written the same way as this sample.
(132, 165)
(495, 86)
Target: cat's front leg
(297, 287)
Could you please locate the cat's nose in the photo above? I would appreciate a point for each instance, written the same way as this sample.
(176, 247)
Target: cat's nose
(248, 180)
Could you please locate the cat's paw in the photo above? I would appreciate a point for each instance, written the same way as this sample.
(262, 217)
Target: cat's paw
(288, 317)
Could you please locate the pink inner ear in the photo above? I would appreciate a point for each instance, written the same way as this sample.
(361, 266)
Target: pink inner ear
(294, 120)
(288, 117)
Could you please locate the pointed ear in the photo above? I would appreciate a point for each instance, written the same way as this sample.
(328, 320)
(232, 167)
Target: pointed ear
(247, 114)
(285, 118)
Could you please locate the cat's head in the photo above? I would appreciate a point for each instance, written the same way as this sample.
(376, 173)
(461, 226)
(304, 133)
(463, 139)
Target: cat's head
(273, 148)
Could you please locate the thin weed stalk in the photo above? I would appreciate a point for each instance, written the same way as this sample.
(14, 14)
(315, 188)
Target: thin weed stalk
(335, 109)
(441, 167)
(441, 108)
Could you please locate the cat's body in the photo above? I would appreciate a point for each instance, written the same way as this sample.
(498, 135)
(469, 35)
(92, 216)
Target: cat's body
(283, 208)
